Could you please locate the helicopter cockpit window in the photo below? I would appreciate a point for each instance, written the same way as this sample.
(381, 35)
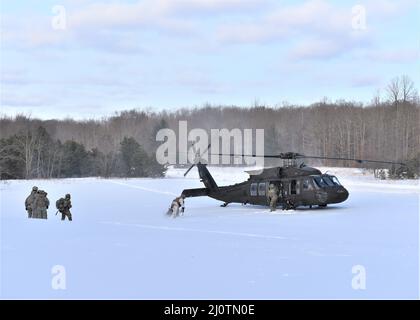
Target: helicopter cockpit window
(261, 189)
(254, 188)
(335, 180)
(324, 181)
(328, 181)
(320, 182)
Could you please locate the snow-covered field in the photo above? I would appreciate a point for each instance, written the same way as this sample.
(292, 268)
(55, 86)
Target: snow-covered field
(120, 244)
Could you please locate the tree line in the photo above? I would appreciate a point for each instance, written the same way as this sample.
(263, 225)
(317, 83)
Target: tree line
(124, 144)
(36, 154)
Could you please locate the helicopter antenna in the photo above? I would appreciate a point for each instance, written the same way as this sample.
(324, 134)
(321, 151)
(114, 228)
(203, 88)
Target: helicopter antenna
(196, 158)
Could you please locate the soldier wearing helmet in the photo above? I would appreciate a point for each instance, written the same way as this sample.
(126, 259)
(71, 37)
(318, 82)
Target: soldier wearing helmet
(63, 205)
(40, 205)
(273, 195)
(176, 205)
(29, 202)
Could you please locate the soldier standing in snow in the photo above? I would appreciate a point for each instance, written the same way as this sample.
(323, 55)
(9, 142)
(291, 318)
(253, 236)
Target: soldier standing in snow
(273, 195)
(41, 204)
(29, 202)
(63, 205)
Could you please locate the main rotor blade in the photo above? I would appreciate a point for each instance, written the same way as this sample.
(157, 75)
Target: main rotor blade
(301, 156)
(352, 159)
(189, 169)
(245, 155)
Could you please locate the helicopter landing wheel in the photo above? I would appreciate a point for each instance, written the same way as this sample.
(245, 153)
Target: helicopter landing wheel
(224, 204)
(322, 205)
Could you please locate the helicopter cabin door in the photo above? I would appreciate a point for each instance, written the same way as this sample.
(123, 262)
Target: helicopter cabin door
(294, 188)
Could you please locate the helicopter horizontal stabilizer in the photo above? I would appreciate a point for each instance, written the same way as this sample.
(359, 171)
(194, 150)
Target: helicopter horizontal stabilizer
(198, 192)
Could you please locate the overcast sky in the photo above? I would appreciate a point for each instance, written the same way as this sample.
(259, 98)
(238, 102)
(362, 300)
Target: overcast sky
(116, 55)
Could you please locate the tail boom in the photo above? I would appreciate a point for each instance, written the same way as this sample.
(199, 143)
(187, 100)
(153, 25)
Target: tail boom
(198, 192)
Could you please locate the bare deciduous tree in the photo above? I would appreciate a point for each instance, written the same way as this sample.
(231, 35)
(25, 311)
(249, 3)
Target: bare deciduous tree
(408, 90)
(394, 90)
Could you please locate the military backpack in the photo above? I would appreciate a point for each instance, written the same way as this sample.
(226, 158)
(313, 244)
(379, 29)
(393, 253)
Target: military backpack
(60, 204)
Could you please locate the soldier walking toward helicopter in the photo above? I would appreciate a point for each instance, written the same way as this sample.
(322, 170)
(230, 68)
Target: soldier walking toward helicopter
(273, 195)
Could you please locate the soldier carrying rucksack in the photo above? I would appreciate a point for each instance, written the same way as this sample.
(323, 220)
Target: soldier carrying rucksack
(63, 205)
(40, 205)
(273, 195)
(177, 207)
(29, 202)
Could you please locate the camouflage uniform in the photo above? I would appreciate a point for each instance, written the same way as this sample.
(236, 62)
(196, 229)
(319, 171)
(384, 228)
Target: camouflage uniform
(174, 210)
(64, 205)
(181, 204)
(41, 204)
(176, 204)
(29, 202)
(273, 195)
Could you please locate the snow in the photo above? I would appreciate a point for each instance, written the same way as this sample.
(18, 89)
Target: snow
(120, 244)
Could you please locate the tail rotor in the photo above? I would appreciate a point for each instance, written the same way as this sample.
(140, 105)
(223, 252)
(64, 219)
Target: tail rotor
(197, 157)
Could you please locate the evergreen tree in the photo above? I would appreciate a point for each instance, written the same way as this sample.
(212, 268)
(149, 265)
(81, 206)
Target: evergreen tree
(135, 159)
(12, 164)
(75, 160)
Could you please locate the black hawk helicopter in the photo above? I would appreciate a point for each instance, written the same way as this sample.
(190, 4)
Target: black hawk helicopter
(298, 185)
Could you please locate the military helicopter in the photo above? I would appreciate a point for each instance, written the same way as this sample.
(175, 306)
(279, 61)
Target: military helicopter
(298, 185)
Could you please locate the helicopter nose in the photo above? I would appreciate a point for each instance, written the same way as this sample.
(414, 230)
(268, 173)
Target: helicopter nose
(342, 194)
